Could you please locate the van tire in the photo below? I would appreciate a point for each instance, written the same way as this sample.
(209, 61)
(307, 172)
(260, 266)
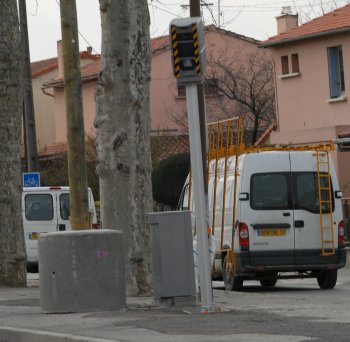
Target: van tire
(327, 279)
(269, 282)
(232, 283)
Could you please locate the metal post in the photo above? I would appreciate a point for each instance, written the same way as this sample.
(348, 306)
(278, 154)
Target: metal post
(195, 11)
(219, 10)
(198, 195)
(77, 172)
(28, 105)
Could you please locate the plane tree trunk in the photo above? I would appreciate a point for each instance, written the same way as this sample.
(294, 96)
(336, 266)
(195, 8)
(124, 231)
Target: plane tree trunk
(123, 133)
(12, 248)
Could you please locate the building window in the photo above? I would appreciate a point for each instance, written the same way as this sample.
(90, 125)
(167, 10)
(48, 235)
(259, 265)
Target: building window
(295, 63)
(210, 88)
(285, 66)
(336, 71)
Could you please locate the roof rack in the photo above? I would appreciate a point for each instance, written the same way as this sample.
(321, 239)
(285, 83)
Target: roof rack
(226, 139)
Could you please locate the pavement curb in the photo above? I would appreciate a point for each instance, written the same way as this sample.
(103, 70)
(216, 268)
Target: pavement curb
(8, 334)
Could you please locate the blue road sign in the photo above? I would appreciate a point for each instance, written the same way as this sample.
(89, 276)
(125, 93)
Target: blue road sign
(31, 179)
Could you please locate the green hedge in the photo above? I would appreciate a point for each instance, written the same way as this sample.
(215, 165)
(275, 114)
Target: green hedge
(168, 179)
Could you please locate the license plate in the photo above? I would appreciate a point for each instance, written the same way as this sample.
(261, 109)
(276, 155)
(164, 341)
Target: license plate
(272, 232)
(34, 236)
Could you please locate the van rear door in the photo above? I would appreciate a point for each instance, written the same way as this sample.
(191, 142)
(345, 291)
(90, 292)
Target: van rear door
(268, 213)
(63, 210)
(39, 216)
(308, 242)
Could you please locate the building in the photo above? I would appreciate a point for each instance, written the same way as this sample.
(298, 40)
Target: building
(167, 99)
(43, 71)
(312, 82)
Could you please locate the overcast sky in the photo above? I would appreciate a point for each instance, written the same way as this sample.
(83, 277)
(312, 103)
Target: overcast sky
(253, 18)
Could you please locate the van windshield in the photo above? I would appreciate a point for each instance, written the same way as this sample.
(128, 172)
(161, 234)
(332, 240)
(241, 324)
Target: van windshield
(38, 207)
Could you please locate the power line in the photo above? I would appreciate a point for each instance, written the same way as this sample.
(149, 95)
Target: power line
(163, 10)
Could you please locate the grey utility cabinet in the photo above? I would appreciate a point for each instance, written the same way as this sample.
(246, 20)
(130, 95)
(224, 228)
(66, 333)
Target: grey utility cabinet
(172, 254)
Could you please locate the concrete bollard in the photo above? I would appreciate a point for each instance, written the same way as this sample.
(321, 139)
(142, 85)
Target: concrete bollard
(81, 271)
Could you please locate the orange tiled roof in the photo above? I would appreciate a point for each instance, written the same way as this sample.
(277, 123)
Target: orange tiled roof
(334, 22)
(43, 66)
(89, 72)
(50, 150)
(345, 134)
(159, 43)
(46, 65)
(164, 145)
(163, 41)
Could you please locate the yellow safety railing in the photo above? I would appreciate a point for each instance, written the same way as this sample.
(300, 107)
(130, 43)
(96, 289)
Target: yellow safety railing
(226, 141)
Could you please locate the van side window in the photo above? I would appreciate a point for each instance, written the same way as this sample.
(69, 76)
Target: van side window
(39, 207)
(64, 206)
(269, 191)
(306, 194)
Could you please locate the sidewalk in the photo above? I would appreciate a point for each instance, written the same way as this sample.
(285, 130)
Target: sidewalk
(239, 316)
(21, 320)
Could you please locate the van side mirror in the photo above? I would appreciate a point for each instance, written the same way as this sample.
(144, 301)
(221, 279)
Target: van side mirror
(338, 194)
(243, 196)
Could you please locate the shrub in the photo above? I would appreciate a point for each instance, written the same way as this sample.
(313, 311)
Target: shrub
(168, 179)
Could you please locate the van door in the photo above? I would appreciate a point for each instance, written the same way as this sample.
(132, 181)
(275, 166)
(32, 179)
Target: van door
(39, 216)
(268, 212)
(63, 211)
(308, 242)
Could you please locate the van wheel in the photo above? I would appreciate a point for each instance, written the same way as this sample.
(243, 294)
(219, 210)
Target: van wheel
(327, 279)
(269, 282)
(232, 283)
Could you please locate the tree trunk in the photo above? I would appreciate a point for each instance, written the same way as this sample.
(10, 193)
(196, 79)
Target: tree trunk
(123, 133)
(12, 248)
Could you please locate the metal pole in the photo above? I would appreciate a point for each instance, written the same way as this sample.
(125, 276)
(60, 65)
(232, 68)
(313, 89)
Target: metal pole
(77, 173)
(195, 11)
(28, 103)
(219, 10)
(198, 195)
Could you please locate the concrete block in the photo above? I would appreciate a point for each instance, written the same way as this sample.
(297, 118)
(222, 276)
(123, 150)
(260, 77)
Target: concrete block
(81, 271)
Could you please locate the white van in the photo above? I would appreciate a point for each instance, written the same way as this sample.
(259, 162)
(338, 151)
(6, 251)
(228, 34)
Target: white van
(44, 210)
(280, 230)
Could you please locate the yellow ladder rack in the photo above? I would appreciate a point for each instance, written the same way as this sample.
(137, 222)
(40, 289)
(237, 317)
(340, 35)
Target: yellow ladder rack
(226, 140)
(325, 203)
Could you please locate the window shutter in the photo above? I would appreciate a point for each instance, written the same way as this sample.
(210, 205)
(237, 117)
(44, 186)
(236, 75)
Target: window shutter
(333, 69)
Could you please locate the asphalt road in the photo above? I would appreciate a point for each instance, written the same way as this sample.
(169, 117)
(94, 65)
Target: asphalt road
(293, 311)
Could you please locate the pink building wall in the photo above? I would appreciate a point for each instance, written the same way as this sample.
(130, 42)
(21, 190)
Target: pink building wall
(303, 100)
(164, 100)
(60, 110)
(305, 112)
(165, 104)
